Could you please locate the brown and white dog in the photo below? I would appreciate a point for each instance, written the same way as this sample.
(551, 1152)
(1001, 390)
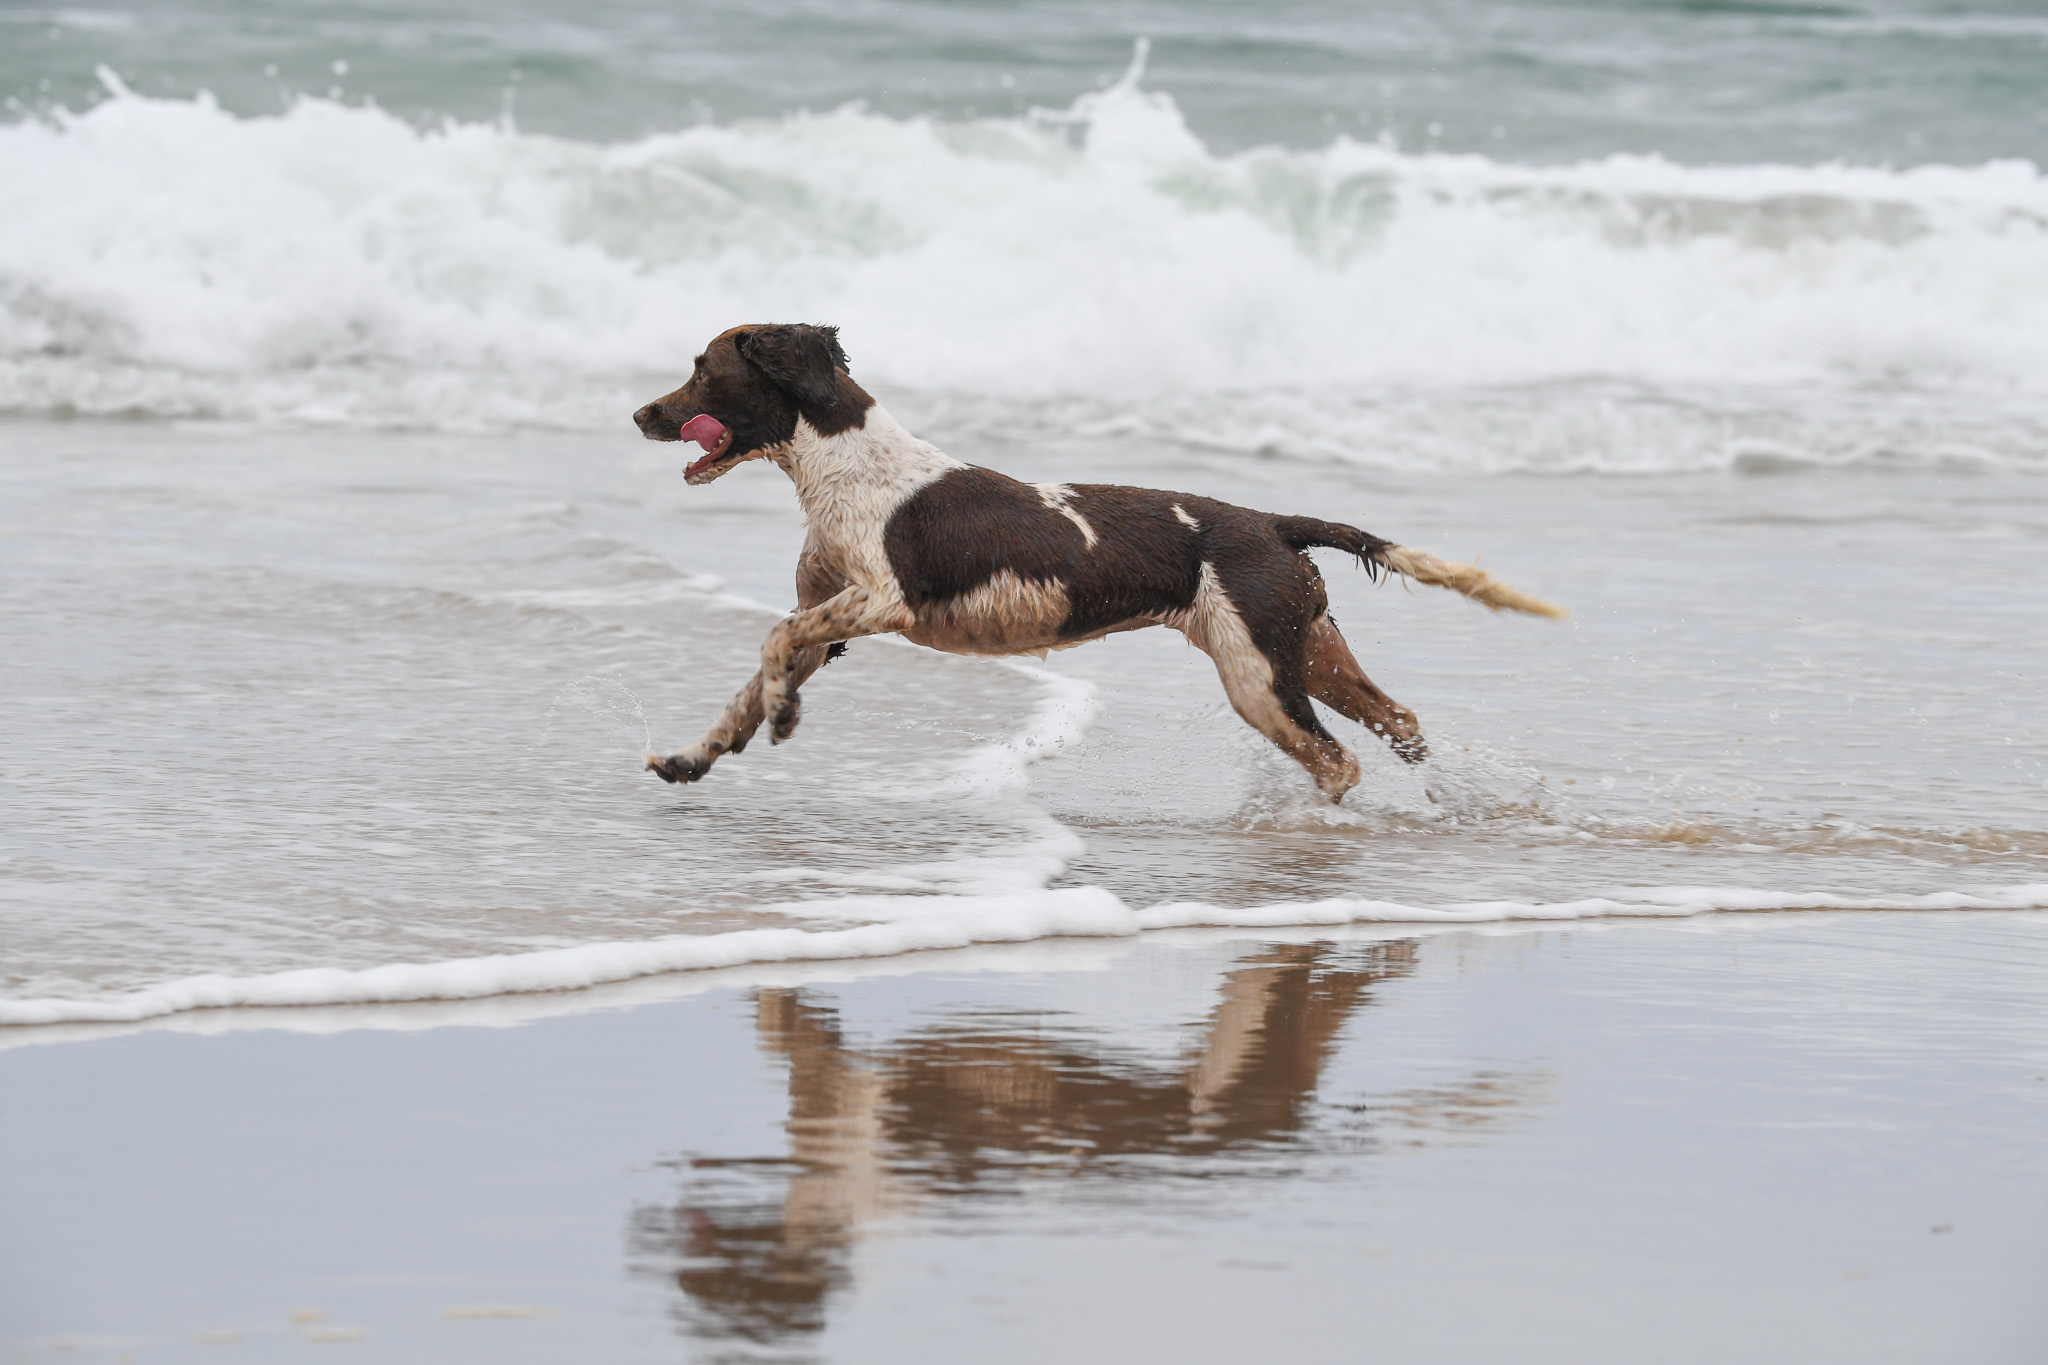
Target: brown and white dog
(903, 538)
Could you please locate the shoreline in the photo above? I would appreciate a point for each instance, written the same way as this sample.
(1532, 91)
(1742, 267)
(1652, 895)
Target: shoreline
(919, 925)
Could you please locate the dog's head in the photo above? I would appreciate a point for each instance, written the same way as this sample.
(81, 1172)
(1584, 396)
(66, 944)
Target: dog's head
(748, 390)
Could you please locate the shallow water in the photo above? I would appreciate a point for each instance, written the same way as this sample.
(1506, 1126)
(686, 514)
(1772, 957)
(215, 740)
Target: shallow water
(286, 701)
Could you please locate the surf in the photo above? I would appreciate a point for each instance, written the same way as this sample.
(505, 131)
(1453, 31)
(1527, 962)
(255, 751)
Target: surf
(333, 264)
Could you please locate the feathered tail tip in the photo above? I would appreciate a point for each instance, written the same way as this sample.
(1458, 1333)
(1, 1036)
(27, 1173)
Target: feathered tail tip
(1468, 579)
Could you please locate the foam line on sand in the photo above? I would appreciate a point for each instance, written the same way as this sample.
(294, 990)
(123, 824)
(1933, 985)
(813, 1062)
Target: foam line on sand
(908, 924)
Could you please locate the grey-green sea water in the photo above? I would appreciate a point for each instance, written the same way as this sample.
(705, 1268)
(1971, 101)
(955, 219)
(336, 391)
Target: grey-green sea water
(1899, 82)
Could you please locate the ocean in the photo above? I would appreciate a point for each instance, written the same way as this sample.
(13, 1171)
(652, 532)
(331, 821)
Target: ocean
(340, 601)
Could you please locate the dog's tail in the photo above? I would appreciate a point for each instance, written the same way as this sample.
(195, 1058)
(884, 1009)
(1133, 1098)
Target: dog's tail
(1423, 567)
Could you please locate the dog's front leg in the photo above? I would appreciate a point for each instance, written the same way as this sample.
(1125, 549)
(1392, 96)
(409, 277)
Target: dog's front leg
(728, 735)
(851, 613)
(791, 653)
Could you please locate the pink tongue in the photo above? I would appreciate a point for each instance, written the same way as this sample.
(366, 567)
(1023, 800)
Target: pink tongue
(706, 430)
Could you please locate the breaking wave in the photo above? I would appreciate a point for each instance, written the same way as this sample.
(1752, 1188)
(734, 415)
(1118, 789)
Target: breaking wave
(336, 264)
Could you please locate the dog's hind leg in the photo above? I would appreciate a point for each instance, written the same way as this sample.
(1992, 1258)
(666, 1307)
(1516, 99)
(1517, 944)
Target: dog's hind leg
(1267, 688)
(1336, 680)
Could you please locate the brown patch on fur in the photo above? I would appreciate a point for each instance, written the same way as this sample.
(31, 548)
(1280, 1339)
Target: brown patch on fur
(1005, 615)
(962, 529)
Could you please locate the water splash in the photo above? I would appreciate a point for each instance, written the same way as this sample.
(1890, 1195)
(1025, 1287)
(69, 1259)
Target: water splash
(610, 701)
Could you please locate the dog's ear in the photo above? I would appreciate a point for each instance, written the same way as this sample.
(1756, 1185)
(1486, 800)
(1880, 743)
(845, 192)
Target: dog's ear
(799, 360)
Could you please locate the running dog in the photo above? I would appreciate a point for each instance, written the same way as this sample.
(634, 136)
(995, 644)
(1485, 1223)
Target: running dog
(903, 538)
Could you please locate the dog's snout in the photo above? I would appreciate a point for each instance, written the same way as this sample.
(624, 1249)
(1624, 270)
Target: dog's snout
(655, 423)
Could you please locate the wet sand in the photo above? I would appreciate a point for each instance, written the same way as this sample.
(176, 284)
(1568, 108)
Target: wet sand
(1781, 1137)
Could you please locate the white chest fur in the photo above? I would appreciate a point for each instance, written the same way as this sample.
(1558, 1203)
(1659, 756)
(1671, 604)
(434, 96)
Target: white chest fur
(850, 483)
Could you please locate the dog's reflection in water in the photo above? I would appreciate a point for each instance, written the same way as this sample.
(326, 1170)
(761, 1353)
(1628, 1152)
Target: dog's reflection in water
(975, 1107)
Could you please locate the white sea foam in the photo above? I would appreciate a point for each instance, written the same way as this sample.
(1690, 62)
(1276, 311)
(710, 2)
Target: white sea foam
(1048, 846)
(916, 924)
(1061, 719)
(333, 263)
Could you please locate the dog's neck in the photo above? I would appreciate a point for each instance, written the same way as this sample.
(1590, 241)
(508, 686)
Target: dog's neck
(858, 475)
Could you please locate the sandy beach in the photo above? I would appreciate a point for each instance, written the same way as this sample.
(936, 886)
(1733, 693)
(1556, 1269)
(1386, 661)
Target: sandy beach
(1811, 1137)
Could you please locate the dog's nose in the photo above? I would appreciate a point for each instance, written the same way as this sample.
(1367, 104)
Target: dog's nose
(642, 417)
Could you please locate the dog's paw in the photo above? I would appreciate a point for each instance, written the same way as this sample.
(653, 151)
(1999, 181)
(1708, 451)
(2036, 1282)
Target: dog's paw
(1413, 749)
(685, 765)
(1337, 777)
(784, 712)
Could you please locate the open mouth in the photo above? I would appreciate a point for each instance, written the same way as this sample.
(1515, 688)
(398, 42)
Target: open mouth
(714, 436)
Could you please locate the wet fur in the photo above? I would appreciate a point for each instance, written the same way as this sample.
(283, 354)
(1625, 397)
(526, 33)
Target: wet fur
(903, 538)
